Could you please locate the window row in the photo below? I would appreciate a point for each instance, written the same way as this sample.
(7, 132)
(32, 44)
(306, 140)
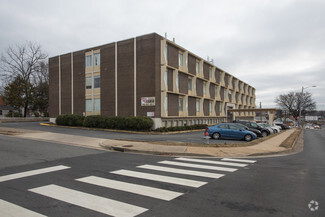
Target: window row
(197, 105)
(180, 59)
(203, 88)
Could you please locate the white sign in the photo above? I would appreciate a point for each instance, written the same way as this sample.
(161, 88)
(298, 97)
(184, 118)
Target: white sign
(150, 114)
(147, 101)
(311, 118)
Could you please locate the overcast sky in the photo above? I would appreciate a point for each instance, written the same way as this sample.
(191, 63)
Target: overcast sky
(276, 46)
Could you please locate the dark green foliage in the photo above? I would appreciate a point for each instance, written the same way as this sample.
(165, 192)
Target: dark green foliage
(13, 114)
(182, 128)
(70, 120)
(106, 122)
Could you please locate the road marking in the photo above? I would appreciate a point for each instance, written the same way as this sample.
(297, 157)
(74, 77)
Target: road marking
(181, 171)
(211, 162)
(198, 166)
(11, 210)
(32, 173)
(239, 160)
(133, 188)
(160, 178)
(89, 201)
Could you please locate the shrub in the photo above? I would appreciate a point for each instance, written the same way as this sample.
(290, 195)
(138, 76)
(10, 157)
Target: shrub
(95, 121)
(120, 123)
(70, 120)
(181, 128)
(13, 114)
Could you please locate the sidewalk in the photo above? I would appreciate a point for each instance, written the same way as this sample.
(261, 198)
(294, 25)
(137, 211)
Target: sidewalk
(267, 147)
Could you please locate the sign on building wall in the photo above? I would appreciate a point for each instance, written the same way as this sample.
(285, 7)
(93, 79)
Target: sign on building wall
(147, 101)
(150, 114)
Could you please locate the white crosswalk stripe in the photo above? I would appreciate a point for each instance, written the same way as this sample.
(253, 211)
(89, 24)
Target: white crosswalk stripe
(198, 166)
(238, 160)
(132, 188)
(181, 171)
(89, 201)
(12, 210)
(32, 173)
(160, 178)
(212, 162)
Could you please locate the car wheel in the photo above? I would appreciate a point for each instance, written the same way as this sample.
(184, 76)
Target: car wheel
(248, 137)
(264, 133)
(216, 135)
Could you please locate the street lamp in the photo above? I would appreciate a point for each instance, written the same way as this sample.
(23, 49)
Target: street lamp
(301, 97)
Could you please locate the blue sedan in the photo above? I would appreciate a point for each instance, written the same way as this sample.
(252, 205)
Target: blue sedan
(229, 131)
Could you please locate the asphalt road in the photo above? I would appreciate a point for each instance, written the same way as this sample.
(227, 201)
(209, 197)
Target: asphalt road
(274, 186)
(191, 137)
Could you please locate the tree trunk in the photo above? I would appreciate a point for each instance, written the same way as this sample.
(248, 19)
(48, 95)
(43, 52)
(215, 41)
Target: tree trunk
(25, 109)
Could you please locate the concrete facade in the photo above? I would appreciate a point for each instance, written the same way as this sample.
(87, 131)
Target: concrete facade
(145, 76)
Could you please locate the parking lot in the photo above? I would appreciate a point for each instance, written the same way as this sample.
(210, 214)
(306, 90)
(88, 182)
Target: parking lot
(189, 137)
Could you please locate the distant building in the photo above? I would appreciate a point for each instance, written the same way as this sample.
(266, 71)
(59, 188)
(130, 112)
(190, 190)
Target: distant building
(145, 76)
(4, 109)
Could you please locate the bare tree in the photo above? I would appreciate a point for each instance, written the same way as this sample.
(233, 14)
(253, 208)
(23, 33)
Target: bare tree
(23, 62)
(293, 102)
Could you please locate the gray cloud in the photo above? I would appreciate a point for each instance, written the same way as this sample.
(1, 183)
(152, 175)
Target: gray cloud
(276, 46)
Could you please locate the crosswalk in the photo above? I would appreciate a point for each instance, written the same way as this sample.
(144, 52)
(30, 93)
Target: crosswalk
(183, 173)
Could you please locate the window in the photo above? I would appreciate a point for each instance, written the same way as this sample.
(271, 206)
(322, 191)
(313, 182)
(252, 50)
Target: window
(216, 91)
(177, 81)
(180, 104)
(210, 73)
(204, 87)
(166, 103)
(225, 93)
(180, 59)
(210, 107)
(88, 83)
(223, 126)
(0, 112)
(166, 52)
(88, 61)
(97, 105)
(96, 59)
(189, 84)
(220, 107)
(197, 105)
(166, 78)
(89, 105)
(96, 81)
(197, 65)
(186, 61)
(232, 127)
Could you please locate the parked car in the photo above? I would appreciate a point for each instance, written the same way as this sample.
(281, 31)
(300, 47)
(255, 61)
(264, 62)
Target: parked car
(268, 127)
(230, 131)
(275, 129)
(264, 131)
(257, 132)
(283, 126)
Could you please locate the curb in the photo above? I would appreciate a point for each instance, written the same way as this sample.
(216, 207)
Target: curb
(291, 150)
(129, 150)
